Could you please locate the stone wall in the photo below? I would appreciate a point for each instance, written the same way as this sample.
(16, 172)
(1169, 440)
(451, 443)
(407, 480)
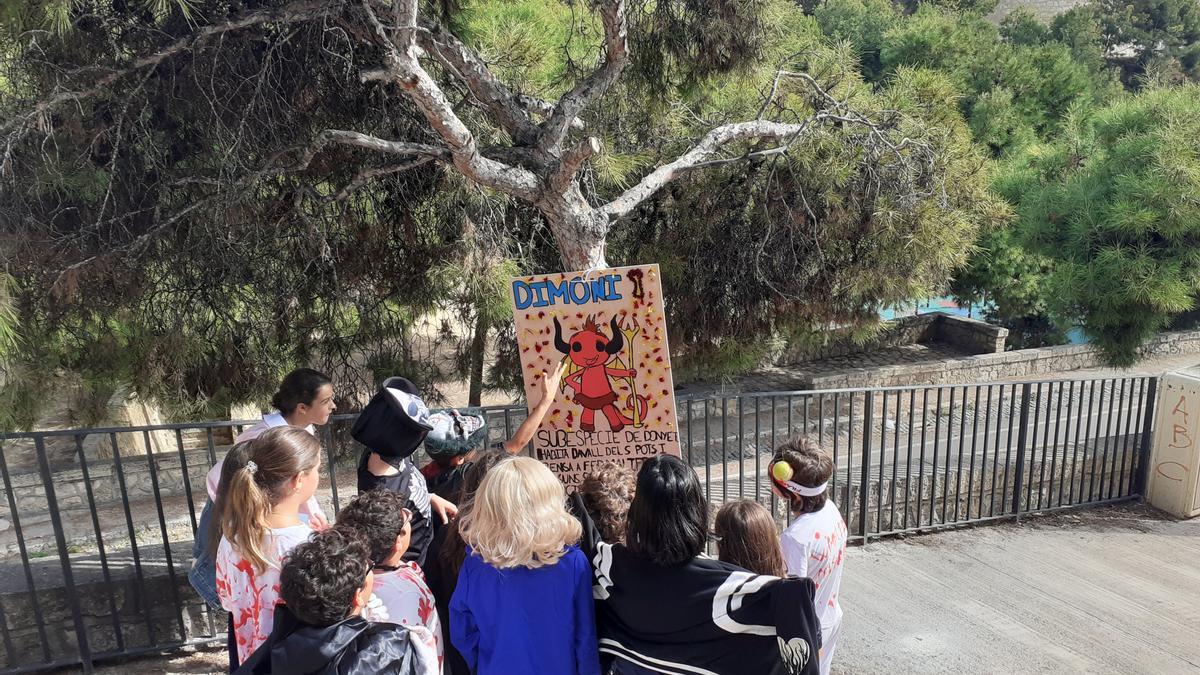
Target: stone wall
(146, 614)
(839, 342)
(969, 335)
(70, 407)
(70, 488)
(1025, 363)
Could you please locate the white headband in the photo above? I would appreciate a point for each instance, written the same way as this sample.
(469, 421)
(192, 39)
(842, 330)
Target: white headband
(802, 490)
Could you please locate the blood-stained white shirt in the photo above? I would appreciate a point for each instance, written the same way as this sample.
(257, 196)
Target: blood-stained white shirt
(814, 546)
(409, 602)
(250, 595)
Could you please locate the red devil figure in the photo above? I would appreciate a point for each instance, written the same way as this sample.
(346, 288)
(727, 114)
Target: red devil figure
(591, 350)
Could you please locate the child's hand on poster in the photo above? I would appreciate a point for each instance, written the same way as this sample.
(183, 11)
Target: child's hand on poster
(547, 388)
(548, 384)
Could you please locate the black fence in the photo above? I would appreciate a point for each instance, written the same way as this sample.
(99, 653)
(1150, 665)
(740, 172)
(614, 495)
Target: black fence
(96, 525)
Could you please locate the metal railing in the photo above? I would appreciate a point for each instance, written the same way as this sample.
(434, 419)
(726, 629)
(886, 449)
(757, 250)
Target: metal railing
(96, 525)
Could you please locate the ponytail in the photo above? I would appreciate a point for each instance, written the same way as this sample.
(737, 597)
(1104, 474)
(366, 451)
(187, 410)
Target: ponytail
(253, 479)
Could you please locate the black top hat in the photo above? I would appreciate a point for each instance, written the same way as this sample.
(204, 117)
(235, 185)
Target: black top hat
(395, 421)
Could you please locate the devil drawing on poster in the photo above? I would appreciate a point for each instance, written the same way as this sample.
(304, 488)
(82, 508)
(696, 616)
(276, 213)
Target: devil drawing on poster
(592, 356)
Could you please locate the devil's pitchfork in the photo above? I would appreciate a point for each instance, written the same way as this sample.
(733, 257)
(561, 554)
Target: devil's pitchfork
(630, 334)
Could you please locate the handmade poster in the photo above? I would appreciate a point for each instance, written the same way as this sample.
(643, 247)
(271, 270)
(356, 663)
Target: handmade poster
(616, 400)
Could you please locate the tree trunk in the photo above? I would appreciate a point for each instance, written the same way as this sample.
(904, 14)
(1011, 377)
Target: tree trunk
(579, 230)
(478, 347)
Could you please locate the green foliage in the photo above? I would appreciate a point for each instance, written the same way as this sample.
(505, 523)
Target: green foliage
(998, 123)
(1079, 29)
(1168, 28)
(1012, 91)
(863, 23)
(257, 280)
(802, 241)
(1022, 28)
(969, 8)
(1013, 285)
(9, 318)
(1113, 204)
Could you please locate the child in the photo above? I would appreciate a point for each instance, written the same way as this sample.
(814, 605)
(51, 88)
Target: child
(523, 604)
(606, 494)
(448, 552)
(664, 607)
(326, 587)
(815, 542)
(455, 434)
(304, 399)
(391, 427)
(746, 537)
(383, 521)
(263, 484)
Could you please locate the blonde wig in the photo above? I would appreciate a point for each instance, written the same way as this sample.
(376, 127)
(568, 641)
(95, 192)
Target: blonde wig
(518, 516)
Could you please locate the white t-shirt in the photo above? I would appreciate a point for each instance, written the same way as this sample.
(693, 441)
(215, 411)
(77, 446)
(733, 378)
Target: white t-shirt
(409, 602)
(250, 595)
(814, 546)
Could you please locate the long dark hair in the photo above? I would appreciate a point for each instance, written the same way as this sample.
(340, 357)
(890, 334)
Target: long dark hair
(454, 549)
(668, 518)
(299, 387)
(746, 537)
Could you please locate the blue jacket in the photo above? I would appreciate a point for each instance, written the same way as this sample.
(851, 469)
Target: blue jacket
(203, 573)
(524, 621)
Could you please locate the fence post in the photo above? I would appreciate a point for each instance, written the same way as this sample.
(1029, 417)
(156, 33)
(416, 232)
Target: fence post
(1144, 448)
(1022, 437)
(60, 539)
(864, 497)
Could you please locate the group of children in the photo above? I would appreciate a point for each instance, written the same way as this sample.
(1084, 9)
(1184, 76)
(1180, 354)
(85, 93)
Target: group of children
(509, 574)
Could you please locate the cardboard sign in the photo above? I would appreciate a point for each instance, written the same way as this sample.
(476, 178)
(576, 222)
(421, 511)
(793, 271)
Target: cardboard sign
(616, 400)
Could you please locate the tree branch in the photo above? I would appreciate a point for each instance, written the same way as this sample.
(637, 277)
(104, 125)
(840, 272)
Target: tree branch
(616, 57)
(706, 148)
(271, 168)
(298, 11)
(406, 23)
(488, 90)
(368, 142)
(407, 72)
(700, 155)
(544, 109)
(367, 175)
(66, 279)
(570, 163)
